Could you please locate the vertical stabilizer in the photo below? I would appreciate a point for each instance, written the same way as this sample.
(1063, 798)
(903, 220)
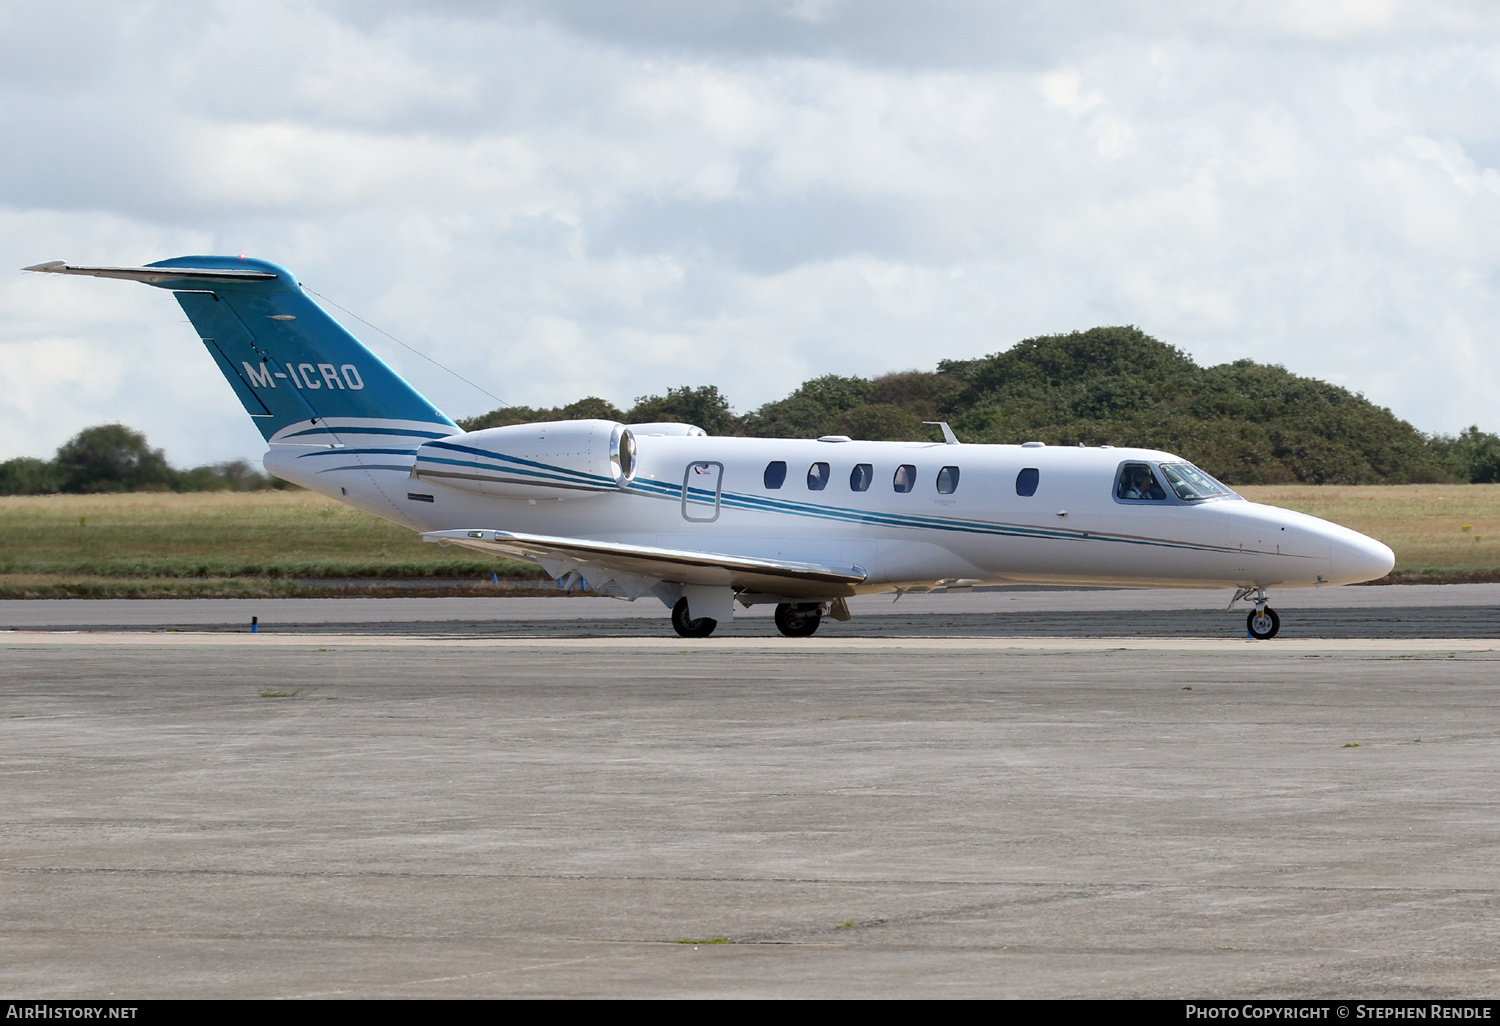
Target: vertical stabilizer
(298, 373)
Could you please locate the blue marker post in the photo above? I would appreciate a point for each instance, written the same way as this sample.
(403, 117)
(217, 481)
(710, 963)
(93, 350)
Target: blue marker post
(254, 624)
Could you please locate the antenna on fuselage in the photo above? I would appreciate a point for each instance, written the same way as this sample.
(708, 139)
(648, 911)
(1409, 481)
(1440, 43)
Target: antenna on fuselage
(948, 435)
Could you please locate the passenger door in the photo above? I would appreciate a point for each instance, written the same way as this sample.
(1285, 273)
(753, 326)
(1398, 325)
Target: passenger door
(702, 485)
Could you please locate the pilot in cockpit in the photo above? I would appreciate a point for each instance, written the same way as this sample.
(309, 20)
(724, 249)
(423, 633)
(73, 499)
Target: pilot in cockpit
(1137, 482)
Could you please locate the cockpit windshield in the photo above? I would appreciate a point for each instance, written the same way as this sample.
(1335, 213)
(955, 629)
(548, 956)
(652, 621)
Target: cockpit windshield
(1192, 484)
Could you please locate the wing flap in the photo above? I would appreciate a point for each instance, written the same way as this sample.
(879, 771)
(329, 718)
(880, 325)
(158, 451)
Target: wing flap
(679, 566)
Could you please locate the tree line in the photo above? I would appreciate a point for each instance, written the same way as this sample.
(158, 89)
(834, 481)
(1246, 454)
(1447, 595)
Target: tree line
(114, 458)
(1244, 422)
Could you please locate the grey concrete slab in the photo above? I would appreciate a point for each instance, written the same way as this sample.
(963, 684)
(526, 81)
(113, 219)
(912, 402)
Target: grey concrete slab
(486, 819)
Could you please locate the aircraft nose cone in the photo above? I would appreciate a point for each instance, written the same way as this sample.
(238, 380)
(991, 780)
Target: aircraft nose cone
(1357, 558)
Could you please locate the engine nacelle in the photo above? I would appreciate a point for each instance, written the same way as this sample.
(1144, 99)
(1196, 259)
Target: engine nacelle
(553, 460)
(667, 428)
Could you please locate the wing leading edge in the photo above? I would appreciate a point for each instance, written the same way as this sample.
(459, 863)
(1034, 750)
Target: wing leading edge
(638, 568)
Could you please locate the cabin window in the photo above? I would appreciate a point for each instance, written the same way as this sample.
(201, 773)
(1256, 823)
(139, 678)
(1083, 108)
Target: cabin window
(860, 477)
(1138, 482)
(1026, 481)
(947, 481)
(817, 477)
(776, 474)
(905, 478)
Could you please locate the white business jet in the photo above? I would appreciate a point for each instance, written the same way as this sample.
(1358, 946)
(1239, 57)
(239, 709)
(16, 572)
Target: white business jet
(703, 522)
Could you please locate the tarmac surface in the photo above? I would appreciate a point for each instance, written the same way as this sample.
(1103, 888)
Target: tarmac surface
(410, 808)
(1456, 611)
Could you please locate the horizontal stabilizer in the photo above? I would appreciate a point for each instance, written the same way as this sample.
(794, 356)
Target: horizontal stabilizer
(154, 275)
(677, 565)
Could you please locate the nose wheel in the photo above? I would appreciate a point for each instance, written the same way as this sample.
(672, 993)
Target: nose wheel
(699, 628)
(1263, 623)
(798, 620)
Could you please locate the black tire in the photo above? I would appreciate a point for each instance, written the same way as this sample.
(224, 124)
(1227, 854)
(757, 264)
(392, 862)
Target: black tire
(1266, 629)
(799, 620)
(699, 628)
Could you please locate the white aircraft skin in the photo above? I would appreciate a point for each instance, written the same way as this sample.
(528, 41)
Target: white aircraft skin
(1072, 531)
(666, 510)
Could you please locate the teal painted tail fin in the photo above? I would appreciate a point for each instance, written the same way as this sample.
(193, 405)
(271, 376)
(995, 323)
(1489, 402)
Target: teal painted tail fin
(295, 369)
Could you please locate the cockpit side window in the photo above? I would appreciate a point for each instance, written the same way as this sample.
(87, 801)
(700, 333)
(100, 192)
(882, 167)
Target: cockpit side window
(1138, 482)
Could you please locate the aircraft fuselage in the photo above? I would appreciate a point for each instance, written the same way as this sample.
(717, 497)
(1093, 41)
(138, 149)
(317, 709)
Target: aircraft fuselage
(1072, 529)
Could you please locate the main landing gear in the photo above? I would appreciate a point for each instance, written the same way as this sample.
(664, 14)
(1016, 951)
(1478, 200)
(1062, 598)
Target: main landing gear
(798, 619)
(793, 619)
(699, 628)
(1262, 623)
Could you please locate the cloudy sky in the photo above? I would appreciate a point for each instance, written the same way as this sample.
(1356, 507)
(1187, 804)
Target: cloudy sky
(570, 198)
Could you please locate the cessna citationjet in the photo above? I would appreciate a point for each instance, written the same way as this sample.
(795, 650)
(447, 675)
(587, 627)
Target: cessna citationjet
(703, 522)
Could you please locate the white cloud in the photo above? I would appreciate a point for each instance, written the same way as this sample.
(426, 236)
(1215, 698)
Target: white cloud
(565, 199)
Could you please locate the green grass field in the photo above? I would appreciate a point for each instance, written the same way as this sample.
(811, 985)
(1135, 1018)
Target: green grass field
(254, 544)
(1440, 533)
(219, 544)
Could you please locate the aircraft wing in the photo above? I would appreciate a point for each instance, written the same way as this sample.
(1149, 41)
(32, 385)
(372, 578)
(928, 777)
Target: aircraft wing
(646, 564)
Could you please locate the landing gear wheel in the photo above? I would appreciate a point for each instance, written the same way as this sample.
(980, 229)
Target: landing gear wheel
(1263, 624)
(798, 620)
(699, 628)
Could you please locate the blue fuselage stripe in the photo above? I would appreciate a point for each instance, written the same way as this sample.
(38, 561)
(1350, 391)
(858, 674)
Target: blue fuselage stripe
(558, 473)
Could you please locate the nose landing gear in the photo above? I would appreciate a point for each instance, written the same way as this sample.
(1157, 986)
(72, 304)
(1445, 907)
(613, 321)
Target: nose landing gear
(1262, 623)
